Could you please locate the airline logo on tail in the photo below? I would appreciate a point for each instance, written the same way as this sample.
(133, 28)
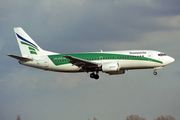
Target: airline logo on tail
(32, 47)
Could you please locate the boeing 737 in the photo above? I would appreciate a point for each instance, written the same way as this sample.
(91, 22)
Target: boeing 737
(111, 62)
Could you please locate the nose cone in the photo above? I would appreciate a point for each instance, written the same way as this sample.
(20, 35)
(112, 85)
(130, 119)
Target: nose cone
(169, 60)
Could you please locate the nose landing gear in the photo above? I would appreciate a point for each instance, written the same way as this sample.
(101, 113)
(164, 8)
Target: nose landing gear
(155, 73)
(95, 76)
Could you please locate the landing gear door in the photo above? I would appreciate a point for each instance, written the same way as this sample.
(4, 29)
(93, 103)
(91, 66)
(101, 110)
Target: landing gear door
(150, 56)
(46, 62)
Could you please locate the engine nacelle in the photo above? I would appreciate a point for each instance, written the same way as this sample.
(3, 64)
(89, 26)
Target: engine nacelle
(110, 67)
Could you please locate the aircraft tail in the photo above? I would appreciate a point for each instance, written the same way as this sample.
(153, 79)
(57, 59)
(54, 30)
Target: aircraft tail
(27, 45)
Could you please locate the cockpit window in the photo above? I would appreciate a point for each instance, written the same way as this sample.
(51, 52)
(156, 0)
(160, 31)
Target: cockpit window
(161, 54)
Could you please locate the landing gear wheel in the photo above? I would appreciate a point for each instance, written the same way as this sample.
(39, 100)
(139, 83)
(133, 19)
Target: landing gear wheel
(155, 73)
(92, 75)
(95, 76)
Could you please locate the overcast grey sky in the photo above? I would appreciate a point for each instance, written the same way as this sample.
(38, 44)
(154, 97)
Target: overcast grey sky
(68, 26)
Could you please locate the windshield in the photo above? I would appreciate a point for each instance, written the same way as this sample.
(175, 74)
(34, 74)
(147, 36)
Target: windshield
(161, 54)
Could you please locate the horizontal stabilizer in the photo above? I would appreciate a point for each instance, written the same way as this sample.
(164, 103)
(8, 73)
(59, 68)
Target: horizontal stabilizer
(20, 58)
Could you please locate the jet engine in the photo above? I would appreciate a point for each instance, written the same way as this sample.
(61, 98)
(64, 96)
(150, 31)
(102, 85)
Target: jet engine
(110, 67)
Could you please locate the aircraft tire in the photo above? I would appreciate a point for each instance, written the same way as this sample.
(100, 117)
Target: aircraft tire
(92, 75)
(155, 73)
(96, 76)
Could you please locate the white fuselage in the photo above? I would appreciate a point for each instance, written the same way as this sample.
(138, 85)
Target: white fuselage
(130, 59)
(112, 62)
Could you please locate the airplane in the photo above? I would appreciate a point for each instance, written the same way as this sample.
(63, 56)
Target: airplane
(110, 62)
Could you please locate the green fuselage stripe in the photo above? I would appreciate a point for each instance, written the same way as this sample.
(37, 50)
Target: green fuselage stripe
(59, 60)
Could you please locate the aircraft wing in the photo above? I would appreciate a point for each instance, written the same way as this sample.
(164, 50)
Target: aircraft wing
(81, 62)
(20, 58)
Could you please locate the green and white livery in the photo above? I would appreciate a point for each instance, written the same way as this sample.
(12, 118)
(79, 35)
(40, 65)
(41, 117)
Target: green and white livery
(111, 62)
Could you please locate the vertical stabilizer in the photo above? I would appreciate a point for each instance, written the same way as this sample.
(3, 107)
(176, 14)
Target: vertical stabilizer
(27, 46)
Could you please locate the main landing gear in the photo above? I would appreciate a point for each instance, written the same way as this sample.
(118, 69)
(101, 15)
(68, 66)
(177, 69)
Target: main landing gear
(95, 76)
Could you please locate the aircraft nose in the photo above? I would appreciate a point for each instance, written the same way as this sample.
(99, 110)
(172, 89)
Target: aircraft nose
(168, 60)
(171, 60)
